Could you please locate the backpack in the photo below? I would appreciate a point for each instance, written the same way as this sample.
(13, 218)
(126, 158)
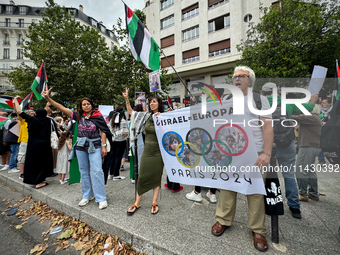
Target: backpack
(283, 136)
(330, 139)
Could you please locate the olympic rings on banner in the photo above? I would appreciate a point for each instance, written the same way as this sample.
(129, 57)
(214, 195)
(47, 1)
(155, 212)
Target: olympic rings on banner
(172, 132)
(204, 131)
(245, 136)
(216, 141)
(187, 143)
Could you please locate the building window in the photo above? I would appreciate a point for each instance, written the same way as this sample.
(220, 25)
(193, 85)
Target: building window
(219, 23)
(191, 55)
(112, 45)
(94, 23)
(20, 40)
(189, 12)
(165, 63)
(167, 41)
(6, 41)
(219, 48)
(20, 54)
(22, 10)
(166, 3)
(21, 22)
(103, 29)
(34, 20)
(167, 22)
(190, 34)
(6, 53)
(215, 3)
(8, 22)
(9, 9)
(111, 34)
(248, 18)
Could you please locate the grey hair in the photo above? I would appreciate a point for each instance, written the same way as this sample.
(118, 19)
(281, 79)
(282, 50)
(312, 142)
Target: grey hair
(249, 70)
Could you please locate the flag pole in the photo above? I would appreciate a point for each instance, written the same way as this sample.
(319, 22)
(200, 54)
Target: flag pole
(176, 72)
(336, 81)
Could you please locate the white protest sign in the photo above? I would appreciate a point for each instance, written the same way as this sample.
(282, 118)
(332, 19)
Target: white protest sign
(15, 129)
(105, 109)
(198, 151)
(317, 80)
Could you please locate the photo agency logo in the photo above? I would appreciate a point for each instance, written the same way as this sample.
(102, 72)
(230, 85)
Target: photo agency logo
(238, 103)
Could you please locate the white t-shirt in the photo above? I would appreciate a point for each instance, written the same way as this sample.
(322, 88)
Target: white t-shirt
(257, 131)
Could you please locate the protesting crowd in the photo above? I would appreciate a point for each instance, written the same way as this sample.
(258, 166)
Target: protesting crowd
(101, 146)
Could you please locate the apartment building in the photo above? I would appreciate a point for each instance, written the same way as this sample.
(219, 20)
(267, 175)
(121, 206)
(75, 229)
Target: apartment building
(14, 23)
(199, 37)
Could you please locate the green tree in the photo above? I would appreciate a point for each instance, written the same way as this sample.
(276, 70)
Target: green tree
(78, 62)
(293, 37)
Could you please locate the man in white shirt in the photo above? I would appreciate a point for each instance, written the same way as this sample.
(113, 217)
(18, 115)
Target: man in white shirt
(243, 78)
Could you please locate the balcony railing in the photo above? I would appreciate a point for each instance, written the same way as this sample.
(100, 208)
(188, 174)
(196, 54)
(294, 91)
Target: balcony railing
(5, 70)
(14, 24)
(6, 43)
(20, 43)
(6, 57)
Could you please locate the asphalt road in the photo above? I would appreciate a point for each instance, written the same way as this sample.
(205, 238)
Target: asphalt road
(20, 241)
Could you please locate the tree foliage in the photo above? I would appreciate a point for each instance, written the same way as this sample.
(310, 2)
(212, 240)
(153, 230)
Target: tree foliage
(293, 37)
(78, 62)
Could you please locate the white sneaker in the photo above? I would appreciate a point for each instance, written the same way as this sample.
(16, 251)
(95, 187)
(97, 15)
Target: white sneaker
(212, 197)
(102, 205)
(118, 178)
(6, 167)
(133, 181)
(84, 201)
(194, 197)
(110, 177)
(13, 170)
(63, 182)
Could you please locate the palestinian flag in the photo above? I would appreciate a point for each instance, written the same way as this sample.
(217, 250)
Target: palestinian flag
(337, 85)
(143, 47)
(3, 104)
(24, 105)
(40, 82)
(169, 101)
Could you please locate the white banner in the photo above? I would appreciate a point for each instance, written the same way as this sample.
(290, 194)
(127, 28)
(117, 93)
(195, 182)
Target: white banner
(208, 150)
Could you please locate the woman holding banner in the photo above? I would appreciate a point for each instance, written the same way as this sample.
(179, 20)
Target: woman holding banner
(151, 165)
(89, 148)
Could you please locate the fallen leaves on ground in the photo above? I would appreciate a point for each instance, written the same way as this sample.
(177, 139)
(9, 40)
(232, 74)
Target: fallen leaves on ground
(40, 248)
(86, 239)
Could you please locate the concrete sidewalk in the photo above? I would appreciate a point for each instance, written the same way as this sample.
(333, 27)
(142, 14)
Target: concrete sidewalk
(184, 227)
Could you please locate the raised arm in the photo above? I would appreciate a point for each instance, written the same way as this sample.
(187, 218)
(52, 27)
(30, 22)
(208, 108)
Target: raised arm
(46, 95)
(127, 102)
(17, 108)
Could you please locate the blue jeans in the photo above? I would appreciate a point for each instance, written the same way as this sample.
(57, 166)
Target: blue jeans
(13, 161)
(321, 157)
(92, 175)
(286, 159)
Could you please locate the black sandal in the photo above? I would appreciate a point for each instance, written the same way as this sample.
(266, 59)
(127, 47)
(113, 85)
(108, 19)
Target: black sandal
(154, 208)
(131, 213)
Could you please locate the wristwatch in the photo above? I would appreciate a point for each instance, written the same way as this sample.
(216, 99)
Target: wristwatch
(104, 144)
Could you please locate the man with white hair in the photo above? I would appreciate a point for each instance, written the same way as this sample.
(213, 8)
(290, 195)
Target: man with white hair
(286, 156)
(243, 78)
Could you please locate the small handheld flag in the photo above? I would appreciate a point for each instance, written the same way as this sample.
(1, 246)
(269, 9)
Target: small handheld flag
(169, 101)
(39, 83)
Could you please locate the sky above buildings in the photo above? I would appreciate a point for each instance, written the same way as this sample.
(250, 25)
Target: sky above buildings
(107, 11)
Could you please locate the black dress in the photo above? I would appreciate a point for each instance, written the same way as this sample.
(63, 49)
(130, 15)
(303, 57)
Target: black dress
(39, 159)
